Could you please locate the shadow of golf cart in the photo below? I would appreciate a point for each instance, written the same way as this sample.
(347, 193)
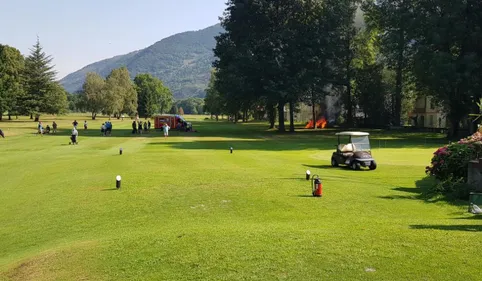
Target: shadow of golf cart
(353, 150)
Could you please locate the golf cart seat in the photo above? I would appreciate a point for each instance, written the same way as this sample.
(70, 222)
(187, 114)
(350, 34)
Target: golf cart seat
(347, 149)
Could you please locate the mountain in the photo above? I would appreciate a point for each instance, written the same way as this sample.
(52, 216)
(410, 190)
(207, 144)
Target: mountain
(182, 61)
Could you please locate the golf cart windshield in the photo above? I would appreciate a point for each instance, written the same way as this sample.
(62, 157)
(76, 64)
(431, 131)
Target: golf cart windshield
(362, 143)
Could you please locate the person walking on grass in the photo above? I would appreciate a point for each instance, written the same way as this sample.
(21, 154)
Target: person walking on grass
(85, 125)
(166, 130)
(140, 127)
(54, 127)
(134, 127)
(75, 123)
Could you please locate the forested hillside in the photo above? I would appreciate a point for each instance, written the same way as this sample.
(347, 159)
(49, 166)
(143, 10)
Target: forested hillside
(182, 62)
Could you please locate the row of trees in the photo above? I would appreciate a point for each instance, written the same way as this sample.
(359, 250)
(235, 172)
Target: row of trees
(118, 94)
(277, 53)
(28, 85)
(188, 106)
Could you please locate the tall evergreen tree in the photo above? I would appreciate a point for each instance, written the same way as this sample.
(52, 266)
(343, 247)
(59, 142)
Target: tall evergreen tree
(447, 59)
(344, 34)
(393, 19)
(39, 77)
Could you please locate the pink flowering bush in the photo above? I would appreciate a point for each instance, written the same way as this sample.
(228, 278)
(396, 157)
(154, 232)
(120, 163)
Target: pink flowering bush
(451, 161)
(449, 165)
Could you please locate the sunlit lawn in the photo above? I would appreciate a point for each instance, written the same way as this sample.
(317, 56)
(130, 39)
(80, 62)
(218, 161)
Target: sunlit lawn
(190, 210)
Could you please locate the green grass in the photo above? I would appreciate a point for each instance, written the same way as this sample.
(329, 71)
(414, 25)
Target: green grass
(190, 210)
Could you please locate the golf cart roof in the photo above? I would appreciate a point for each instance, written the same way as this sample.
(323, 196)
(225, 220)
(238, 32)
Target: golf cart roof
(356, 134)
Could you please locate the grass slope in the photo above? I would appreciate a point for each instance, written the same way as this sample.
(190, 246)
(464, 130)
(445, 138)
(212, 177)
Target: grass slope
(189, 210)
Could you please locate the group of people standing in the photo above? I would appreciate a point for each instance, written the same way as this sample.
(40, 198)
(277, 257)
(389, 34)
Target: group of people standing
(138, 127)
(106, 128)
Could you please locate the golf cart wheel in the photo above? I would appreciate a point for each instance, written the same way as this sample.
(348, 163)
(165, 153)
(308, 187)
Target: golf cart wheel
(355, 165)
(373, 165)
(333, 162)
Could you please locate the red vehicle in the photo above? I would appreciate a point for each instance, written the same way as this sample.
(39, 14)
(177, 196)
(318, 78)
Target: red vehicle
(172, 120)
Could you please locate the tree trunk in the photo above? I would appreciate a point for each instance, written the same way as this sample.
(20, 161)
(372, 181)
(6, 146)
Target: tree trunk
(37, 117)
(1, 116)
(313, 115)
(271, 115)
(9, 116)
(292, 117)
(31, 116)
(349, 105)
(397, 114)
(281, 116)
(454, 128)
(94, 115)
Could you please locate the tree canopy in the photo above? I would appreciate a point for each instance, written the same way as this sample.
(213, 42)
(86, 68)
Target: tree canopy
(153, 96)
(12, 65)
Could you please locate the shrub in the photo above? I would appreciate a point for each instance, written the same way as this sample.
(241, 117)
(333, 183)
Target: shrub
(449, 165)
(452, 188)
(450, 161)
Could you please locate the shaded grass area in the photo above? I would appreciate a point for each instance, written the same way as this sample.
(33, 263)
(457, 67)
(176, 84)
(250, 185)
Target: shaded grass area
(190, 210)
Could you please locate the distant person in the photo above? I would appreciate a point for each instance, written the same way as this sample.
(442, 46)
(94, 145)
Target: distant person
(47, 129)
(145, 127)
(102, 129)
(108, 128)
(75, 123)
(54, 127)
(1, 133)
(166, 130)
(74, 136)
(148, 125)
(134, 127)
(140, 127)
(40, 128)
(85, 125)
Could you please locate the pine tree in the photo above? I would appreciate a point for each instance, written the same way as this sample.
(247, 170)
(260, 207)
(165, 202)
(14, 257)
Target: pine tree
(39, 77)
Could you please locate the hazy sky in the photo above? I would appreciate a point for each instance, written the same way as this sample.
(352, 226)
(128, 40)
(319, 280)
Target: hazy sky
(80, 32)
